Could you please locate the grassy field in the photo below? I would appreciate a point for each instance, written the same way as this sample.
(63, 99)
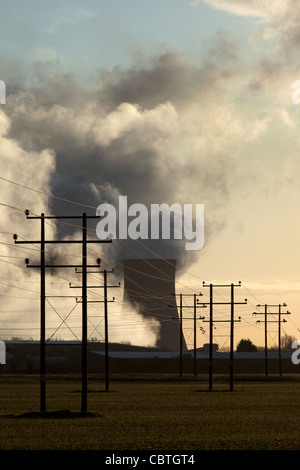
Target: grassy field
(151, 414)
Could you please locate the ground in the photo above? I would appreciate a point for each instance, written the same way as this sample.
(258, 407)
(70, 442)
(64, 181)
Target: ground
(153, 413)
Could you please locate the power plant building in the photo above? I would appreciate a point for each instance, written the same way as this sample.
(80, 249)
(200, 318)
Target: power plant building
(149, 286)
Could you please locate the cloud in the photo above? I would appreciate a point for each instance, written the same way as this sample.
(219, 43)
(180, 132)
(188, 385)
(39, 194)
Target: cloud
(253, 8)
(278, 22)
(165, 129)
(172, 77)
(24, 166)
(154, 132)
(70, 16)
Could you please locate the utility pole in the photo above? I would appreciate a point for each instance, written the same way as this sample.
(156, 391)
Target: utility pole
(181, 334)
(194, 306)
(105, 301)
(279, 321)
(42, 318)
(210, 334)
(211, 303)
(42, 242)
(266, 335)
(106, 332)
(231, 335)
(195, 335)
(84, 319)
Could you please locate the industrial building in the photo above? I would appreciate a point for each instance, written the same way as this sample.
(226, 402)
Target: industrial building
(149, 286)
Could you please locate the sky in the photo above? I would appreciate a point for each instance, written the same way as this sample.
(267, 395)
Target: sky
(164, 101)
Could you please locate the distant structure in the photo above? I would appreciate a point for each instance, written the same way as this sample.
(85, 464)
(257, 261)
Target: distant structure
(149, 284)
(206, 346)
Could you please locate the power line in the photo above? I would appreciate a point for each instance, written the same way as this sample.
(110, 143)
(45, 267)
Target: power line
(80, 204)
(75, 203)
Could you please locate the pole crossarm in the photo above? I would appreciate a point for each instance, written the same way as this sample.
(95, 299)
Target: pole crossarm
(36, 242)
(189, 306)
(95, 301)
(221, 285)
(57, 266)
(220, 321)
(94, 287)
(271, 321)
(272, 313)
(61, 216)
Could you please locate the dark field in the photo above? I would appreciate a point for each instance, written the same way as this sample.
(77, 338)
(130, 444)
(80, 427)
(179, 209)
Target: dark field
(151, 414)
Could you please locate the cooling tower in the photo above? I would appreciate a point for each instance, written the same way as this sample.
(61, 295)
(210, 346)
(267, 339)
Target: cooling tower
(149, 284)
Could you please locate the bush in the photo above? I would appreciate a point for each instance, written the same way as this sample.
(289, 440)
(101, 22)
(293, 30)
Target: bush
(245, 345)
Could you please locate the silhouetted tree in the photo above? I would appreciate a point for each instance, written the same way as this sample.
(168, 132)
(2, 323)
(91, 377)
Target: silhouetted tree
(286, 342)
(245, 345)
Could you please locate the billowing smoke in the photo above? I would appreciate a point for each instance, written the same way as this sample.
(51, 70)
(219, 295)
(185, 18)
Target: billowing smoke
(157, 132)
(141, 133)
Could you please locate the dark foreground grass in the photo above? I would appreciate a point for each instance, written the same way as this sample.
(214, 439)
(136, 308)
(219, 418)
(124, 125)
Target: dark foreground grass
(150, 415)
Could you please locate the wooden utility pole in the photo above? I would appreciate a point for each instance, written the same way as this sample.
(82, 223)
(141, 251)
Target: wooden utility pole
(266, 321)
(181, 307)
(42, 266)
(43, 320)
(105, 301)
(232, 320)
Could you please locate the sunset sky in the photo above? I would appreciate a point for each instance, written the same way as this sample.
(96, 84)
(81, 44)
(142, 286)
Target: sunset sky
(169, 101)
